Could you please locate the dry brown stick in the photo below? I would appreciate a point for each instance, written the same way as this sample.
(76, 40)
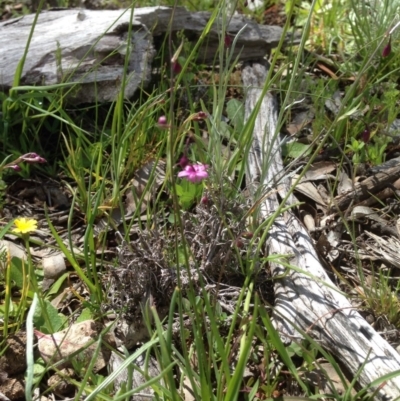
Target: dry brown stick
(305, 296)
(382, 195)
(364, 189)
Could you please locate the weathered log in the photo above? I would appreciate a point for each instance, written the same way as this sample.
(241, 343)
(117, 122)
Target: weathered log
(306, 298)
(88, 47)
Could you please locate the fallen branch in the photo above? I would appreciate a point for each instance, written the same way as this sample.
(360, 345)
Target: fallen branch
(365, 188)
(306, 299)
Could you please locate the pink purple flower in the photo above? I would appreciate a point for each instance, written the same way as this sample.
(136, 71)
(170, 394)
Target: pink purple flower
(194, 172)
(29, 158)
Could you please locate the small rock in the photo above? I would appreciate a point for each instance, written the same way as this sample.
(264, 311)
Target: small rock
(54, 266)
(61, 345)
(14, 250)
(13, 388)
(60, 384)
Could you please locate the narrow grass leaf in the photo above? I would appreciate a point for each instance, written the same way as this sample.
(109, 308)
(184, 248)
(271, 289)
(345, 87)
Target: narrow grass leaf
(280, 347)
(93, 289)
(29, 350)
(117, 372)
(165, 360)
(156, 379)
(233, 388)
(89, 369)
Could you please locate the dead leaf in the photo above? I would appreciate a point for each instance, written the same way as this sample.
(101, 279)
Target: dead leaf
(300, 121)
(345, 184)
(319, 171)
(308, 189)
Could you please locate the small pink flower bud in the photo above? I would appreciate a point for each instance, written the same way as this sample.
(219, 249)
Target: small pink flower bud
(176, 67)
(238, 243)
(227, 41)
(15, 167)
(183, 162)
(388, 48)
(204, 200)
(32, 158)
(162, 122)
(366, 135)
(200, 116)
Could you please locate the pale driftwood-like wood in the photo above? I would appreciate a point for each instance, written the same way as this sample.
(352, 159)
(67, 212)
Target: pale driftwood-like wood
(89, 47)
(85, 47)
(306, 299)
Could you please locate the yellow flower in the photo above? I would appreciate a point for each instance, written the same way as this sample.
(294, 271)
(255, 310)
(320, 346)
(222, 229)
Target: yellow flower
(25, 225)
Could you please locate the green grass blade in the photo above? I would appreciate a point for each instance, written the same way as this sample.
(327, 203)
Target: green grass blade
(110, 379)
(93, 289)
(280, 347)
(29, 349)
